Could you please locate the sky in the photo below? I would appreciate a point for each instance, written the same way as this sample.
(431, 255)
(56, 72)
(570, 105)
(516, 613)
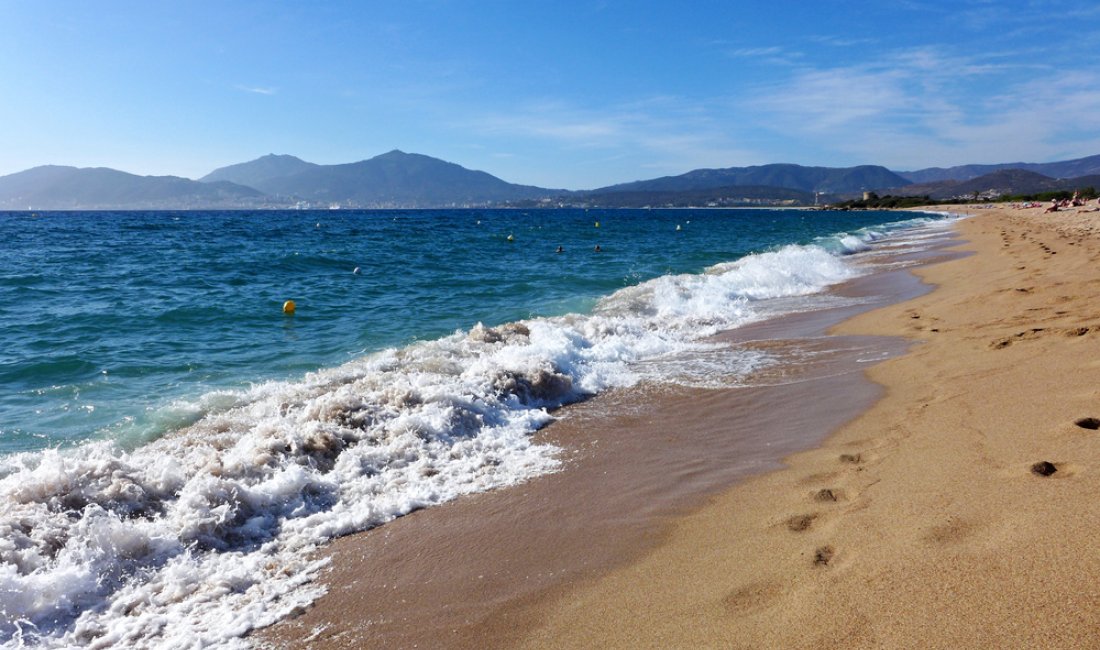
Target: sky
(572, 94)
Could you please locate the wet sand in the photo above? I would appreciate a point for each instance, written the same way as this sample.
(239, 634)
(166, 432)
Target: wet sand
(485, 571)
(961, 511)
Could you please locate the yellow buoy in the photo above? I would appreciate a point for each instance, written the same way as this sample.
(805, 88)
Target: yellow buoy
(288, 307)
(597, 224)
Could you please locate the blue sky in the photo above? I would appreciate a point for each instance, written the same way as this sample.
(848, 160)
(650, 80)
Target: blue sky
(572, 94)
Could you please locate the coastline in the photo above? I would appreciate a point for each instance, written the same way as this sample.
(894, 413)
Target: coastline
(921, 523)
(479, 572)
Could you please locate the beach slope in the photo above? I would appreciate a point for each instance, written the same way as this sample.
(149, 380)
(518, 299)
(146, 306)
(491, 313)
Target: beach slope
(961, 510)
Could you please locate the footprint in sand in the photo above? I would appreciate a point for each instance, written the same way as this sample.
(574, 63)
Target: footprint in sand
(824, 555)
(1033, 333)
(753, 597)
(827, 495)
(950, 532)
(801, 523)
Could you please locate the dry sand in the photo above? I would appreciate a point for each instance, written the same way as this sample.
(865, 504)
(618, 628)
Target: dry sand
(919, 524)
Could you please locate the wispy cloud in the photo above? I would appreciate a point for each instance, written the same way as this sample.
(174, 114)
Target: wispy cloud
(258, 90)
(921, 107)
(821, 101)
(756, 51)
(670, 134)
(907, 108)
(556, 121)
(1086, 11)
(840, 41)
(768, 54)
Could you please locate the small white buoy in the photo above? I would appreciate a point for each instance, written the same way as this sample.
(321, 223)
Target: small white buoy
(677, 226)
(511, 238)
(356, 271)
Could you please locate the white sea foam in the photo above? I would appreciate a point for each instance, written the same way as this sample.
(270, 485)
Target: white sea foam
(199, 536)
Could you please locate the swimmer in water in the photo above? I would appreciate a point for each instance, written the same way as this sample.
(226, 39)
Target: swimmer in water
(597, 249)
(560, 249)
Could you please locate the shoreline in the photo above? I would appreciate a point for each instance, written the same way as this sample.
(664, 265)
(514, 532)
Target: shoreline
(477, 572)
(929, 520)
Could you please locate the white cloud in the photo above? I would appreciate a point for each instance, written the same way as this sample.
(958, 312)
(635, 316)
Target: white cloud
(839, 41)
(822, 101)
(771, 54)
(259, 90)
(906, 109)
(922, 108)
(667, 133)
(553, 121)
(757, 51)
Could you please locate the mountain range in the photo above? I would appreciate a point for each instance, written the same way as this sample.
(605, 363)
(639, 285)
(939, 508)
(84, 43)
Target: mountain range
(53, 187)
(407, 180)
(1066, 169)
(392, 180)
(806, 179)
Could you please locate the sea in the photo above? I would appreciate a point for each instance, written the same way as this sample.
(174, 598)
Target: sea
(174, 444)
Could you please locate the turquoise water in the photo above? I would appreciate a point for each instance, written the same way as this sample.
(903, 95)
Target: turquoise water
(106, 317)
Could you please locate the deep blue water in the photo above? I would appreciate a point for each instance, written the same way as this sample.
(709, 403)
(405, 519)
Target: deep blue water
(107, 317)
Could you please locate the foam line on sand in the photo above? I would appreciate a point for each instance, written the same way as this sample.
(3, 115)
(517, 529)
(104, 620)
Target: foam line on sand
(484, 571)
(961, 511)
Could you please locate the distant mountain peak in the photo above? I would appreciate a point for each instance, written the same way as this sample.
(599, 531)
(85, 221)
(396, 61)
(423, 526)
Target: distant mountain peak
(392, 179)
(259, 171)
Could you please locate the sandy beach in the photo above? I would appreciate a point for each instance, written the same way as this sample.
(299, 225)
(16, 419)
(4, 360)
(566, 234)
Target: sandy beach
(952, 504)
(924, 523)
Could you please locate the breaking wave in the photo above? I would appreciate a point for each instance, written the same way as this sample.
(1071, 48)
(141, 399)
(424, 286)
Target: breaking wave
(205, 533)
